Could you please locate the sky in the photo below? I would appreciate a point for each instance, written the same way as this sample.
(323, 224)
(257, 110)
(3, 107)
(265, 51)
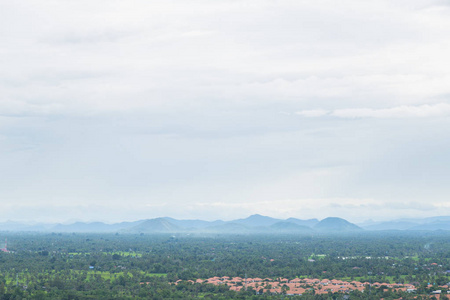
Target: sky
(126, 110)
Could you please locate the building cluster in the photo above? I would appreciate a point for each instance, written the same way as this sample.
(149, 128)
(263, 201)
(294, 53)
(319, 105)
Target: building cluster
(299, 286)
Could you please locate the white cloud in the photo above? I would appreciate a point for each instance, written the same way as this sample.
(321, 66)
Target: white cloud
(313, 113)
(420, 111)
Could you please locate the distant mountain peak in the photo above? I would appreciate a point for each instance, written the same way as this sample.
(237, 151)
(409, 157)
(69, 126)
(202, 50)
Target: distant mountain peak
(257, 220)
(154, 225)
(257, 216)
(336, 224)
(285, 226)
(310, 222)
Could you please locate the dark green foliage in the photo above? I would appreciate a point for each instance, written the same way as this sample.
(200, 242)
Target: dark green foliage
(108, 266)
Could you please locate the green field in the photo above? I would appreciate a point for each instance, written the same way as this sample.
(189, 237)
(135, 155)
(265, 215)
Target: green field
(317, 256)
(106, 275)
(124, 253)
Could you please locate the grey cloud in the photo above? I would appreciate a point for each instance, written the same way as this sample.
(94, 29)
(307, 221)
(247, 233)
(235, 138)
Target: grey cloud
(178, 102)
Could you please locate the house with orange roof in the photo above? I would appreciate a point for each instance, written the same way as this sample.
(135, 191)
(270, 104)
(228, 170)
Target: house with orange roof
(335, 281)
(276, 290)
(214, 281)
(298, 291)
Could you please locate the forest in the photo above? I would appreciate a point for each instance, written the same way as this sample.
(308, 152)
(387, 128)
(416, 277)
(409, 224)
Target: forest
(147, 266)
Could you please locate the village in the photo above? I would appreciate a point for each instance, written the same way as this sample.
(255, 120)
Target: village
(300, 286)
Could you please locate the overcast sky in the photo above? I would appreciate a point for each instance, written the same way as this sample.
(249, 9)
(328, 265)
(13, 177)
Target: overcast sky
(124, 110)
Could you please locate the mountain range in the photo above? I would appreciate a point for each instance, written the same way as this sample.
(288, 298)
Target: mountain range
(252, 224)
(425, 224)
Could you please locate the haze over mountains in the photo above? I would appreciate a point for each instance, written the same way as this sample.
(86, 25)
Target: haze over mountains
(252, 224)
(431, 223)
